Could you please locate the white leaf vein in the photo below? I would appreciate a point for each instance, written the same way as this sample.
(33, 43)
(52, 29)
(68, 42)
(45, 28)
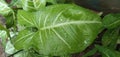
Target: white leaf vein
(69, 23)
(61, 38)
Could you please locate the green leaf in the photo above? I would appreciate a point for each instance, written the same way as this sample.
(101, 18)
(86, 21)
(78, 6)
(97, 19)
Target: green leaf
(33, 5)
(3, 28)
(16, 3)
(111, 37)
(111, 21)
(108, 52)
(4, 9)
(4, 34)
(58, 29)
(9, 49)
(10, 21)
(3, 37)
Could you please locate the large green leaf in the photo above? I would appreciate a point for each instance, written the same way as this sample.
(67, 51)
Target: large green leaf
(57, 29)
(31, 5)
(111, 21)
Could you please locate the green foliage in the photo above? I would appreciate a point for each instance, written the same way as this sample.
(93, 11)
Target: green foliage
(33, 5)
(4, 34)
(4, 9)
(107, 52)
(16, 3)
(9, 20)
(65, 25)
(111, 37)
(112, 21)
(3, 37)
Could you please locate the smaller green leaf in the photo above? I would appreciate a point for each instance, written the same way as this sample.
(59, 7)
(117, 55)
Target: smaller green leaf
(10, 21)
(111, 21)
(3, 28)
(4, 9)
(33, 5)
(3, 36)
(16, 3)
(25, 18)
(110, 38)
(107, 52)
(9, 48)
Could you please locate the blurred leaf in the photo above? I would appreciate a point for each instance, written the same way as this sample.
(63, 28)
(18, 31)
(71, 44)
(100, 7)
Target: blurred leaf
(3, 28)
(4, 9)
(10, 21)
(10, 48)
(16, 3)
(111, 21)
(3, 36)
(107, 52)
(33, 5)
(111, 37)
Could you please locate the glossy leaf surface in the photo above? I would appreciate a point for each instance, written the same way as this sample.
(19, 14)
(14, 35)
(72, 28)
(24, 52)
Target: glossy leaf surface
(57, 29)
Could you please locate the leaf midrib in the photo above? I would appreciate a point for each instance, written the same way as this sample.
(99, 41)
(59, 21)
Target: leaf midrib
(69, 23)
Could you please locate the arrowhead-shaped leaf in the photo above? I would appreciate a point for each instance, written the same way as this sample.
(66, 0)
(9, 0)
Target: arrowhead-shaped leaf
(57, 29)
